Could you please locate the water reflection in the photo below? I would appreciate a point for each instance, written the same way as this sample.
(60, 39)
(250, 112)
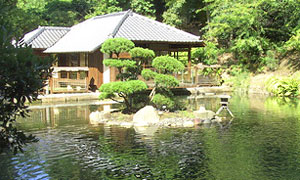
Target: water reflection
(262, 142)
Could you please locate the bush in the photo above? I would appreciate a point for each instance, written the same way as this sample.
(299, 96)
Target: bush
(207, 55)
(116, 46)
(167, 81)
(148, 74)
(22, 76)
(123, 89)
(288, 86)
(119, 63)
(161, 100)
(167, 64)
(141, 53)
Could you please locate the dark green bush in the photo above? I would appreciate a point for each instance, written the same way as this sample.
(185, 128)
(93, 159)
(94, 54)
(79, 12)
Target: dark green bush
(123, 89)
(160, 100)
(22, 76)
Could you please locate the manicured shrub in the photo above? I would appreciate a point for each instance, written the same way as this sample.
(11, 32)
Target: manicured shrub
(167, 64)
(161, 100)
(141, 53)
(163, 80)
(148, 74)
(116, 46)
(118, 63)
(126, 90)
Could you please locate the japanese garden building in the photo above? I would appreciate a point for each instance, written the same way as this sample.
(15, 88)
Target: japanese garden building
(79, 66)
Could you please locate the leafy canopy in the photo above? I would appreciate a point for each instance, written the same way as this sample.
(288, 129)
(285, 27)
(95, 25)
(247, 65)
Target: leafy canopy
(119, 63)
(116, 46)
(21, 77)
(167, 64)
(141, 53)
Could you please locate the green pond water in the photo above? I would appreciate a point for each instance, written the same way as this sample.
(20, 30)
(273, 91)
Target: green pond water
(261, 142)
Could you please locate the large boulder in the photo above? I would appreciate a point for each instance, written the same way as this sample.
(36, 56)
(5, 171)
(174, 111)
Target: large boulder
(98, 117)
(146, 116)
(204, 114)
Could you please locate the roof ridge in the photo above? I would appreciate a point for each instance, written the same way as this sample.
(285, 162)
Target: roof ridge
(40, 30)
(107, 15)
(166, 25)
(55, 27)
(117, 28)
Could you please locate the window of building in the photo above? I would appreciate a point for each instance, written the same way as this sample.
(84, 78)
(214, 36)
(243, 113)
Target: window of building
(73, 75)
(83, 74)
(63, 74)
(74, 60)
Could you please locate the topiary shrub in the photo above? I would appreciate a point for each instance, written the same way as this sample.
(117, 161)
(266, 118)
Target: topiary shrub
(126, 90)
(116, 46)
(161, 100)
(167, 64)
(141, 53)
(148, 74)
(161, 93)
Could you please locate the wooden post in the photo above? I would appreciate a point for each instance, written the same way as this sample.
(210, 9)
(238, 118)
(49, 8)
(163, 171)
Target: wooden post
(51, 85)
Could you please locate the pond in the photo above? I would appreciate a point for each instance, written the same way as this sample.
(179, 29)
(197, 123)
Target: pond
(261, 142)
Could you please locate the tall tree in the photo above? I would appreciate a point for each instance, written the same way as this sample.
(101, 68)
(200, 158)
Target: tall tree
(185, 14)
(251, 30)
(21, 77)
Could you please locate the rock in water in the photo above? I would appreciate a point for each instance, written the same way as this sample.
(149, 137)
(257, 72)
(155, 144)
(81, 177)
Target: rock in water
(145, 117)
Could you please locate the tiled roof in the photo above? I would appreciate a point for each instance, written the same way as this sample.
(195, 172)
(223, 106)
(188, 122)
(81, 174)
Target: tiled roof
(44, 36)
(88, 36)
(141, 28)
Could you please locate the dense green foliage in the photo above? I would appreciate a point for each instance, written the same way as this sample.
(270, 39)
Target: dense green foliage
(124, 89)
(254, 32)
(161, 100)
(142, 54)
(294, 42)
(148, 74)
(164, 80)
(119, 63)
(287, 86)
(161, 94)
(207, 55)
(167, 64)
(116, 46)
(129, 88)
(28, 14)
(22, 75)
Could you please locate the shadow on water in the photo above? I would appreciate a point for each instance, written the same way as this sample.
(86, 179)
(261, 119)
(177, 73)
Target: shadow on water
(262, 142)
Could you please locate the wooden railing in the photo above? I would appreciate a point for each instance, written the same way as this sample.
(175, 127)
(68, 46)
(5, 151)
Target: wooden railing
(69, 85)
(191, 78)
